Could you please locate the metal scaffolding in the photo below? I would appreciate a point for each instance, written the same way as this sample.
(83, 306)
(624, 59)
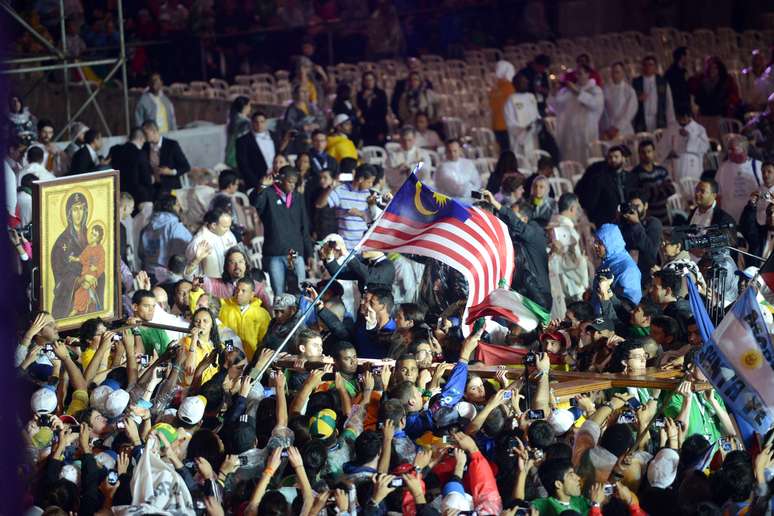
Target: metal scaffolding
(63, 62)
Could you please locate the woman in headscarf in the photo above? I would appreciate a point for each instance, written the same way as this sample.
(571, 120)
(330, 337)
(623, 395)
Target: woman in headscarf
(20, 119)
(70, 243)
(238, 125)
(498, 96)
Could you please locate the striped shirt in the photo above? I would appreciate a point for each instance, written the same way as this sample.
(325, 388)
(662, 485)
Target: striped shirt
(351, 227)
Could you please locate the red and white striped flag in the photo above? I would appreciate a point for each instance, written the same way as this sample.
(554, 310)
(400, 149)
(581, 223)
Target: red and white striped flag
(471, 240)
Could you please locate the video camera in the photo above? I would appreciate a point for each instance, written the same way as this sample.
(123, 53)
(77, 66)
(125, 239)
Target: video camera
(708, 237)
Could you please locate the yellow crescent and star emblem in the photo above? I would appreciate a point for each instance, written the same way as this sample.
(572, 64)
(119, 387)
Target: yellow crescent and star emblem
(439, 199)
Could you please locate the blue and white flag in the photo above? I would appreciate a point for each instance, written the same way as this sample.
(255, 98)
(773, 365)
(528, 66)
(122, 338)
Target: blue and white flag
(739, 362)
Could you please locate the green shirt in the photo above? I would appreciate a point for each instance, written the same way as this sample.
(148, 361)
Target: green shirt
(154, 338)
(702, 418)
(552, 507)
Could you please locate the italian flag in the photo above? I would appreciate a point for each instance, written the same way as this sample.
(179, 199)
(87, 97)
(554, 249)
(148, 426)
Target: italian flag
(511, 306)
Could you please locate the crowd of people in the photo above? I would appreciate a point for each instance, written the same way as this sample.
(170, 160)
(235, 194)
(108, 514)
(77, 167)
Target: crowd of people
(229, 386)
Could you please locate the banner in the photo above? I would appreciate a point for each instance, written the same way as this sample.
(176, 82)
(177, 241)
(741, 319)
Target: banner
(739, 362)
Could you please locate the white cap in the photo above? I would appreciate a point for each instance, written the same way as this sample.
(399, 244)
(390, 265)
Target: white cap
(561, 421)
(70, 472)
(662, 470)
(340, 119)
(458, 501)
(191, 410)
(466, 410)
(43, 401)
(99, 395)
(116, 403)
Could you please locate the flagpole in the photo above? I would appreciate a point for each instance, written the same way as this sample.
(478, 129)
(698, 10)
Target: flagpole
(312, 305)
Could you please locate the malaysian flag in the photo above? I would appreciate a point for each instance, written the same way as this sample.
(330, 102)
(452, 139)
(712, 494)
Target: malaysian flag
(469, 239)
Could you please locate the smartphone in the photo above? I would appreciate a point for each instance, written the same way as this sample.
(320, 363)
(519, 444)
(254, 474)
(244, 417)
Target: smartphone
(508, 394)
(634, 403)
(536, 414)
(48, 348)
(609, 489)
(535, 454)
(328, 377)
(659, 422)
(268, 392)
(396, 482)
(112, 477)
(144, 360)
(284, 454)
(116, 337)
(44, 420)
(565, 325)
(726, 444)
(627, 417)
(448, 439)
(190, 465)
(573, 402)
(475, 194)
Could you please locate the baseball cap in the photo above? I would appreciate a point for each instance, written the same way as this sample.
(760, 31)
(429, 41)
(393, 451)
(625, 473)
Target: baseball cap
(43, 437)
(748, 273)
(43, 401)
(340, 119)
(601, 324)
(167, 430)
(71, 473)
(663, 468)
(115, 403)
(455, 497)
(323, 424)
(99, 396)
(284, 301)
(191, 410)
(561, 421)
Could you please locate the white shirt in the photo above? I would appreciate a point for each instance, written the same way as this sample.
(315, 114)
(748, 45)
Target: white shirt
(212, 266)
(703, 219)
(399, 159)
(266, 144)
(94, 156)
(24, 207)
(457, 179)
(737, 181)
(650, 106)
(38, 170)
(10, 188)
(620, 107)
(520, 111)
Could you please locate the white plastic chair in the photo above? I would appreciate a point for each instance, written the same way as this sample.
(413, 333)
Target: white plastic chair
(674, 204)
(374, 155)
(688, 186)
(569, 168)
(560, 185)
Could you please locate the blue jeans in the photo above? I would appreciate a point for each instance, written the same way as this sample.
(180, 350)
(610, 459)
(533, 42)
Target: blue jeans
(278, 266)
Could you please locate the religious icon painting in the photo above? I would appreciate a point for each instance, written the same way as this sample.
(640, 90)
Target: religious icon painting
(77, 262)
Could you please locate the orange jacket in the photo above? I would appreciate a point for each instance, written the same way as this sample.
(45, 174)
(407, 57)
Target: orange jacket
(497, 99)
